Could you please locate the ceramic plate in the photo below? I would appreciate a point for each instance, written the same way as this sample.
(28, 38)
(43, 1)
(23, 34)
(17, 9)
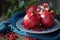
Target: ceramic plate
(54, 28)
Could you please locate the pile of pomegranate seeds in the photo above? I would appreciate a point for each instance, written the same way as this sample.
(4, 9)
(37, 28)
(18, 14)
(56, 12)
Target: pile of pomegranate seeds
(9, 36)
(29, 38)
(39, 29)
(2, 35)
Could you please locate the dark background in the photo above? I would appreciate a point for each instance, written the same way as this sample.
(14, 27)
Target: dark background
(10, 7)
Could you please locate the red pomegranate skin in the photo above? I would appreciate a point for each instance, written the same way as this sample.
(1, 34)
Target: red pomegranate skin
(31, 8)
(47, 19)
(31, 20)
(52, 12)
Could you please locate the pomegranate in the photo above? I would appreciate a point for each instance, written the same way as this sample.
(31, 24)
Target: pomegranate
(39, 15)
(32, 20)
(44, 6)
(52, 12)
(47, 19)
(31, 8)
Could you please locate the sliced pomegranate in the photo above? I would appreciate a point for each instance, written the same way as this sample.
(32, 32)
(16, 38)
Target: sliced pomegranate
(43, 6)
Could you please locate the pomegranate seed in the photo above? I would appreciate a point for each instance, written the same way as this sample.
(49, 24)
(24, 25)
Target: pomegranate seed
(2, 35)
(29, 38)
(12, 38)
(9, 36)
(7, 39)
(26, 36)
(35, 39)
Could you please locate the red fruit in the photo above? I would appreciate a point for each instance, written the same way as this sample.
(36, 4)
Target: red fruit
(11, 36)
(46, 6)
(31, 8)
(47, 19)
(43, 6)
(26, 36)
(31, 20)
(2, 35)
(52, 12)
(7, 38)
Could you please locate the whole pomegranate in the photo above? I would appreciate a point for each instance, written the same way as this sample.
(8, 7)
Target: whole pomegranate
(47, 19)
(39, 15)
(31, 20)
(31, 8)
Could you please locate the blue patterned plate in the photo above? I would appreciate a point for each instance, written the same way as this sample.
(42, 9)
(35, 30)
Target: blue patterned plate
(54, 28)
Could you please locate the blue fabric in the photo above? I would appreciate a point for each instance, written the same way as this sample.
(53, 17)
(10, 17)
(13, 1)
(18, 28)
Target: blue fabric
(10, 25)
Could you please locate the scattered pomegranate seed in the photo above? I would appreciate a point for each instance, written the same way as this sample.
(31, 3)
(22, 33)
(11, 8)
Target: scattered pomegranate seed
(12, 38)
(9, 36)
(7, 39)
(29, 38)
(38, 28)
(35, 39)
(2, 35)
